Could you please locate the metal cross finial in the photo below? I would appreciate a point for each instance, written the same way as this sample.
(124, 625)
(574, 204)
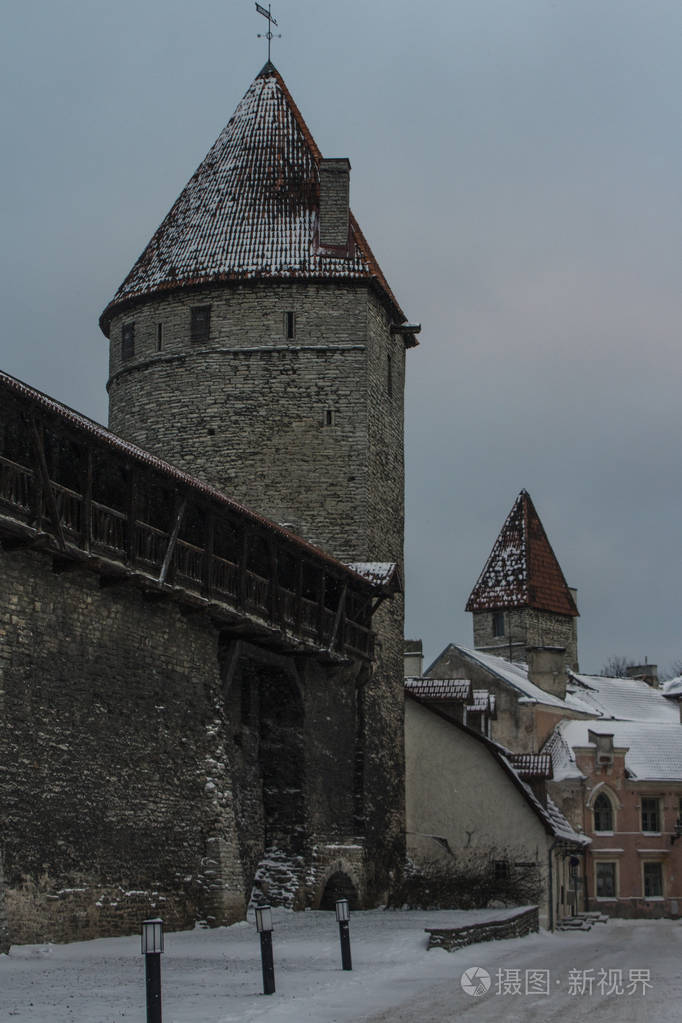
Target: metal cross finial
(271, 21)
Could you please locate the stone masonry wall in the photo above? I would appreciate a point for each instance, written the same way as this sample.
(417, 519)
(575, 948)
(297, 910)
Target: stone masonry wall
(147, 760)
(308, 431)
(278, 424)
(113, 791)
(526, 627)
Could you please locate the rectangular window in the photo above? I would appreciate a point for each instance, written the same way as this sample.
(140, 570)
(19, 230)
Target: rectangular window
(201, 322)
(290, 326)
(502, 871)
(329, 417)
(127, 341)
(605, 874)
(653, 880)
(159, 336)
(651, 818)
(498, 623)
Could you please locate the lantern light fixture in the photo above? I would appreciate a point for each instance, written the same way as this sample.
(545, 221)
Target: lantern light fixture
(152, 937)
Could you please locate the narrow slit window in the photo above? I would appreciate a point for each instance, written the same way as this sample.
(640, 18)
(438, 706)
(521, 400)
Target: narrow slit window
(289, 325)
(159, 336)
(127, 341)
(329, 417)
(389, 377)
(201, 322)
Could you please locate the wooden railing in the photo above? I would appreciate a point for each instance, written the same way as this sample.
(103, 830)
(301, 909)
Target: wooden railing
(110, 533)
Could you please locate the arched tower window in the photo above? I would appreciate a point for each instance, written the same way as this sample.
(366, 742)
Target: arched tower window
(603, 813)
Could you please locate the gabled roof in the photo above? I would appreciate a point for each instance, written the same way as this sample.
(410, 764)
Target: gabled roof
(513, 675)
(522, 570)
(251, 210)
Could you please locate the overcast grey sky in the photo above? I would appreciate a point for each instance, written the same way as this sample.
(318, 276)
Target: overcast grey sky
(517, 169)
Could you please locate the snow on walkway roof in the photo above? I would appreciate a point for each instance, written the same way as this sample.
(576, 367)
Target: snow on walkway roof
(627, 699)
(654, 748)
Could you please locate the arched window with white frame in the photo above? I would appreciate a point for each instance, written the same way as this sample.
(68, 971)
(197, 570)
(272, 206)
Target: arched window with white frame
(603, 813)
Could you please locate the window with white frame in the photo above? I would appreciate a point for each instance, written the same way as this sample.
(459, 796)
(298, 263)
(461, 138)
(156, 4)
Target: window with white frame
(653, 880)
(651, 814)
(603, 813)
(605, 878)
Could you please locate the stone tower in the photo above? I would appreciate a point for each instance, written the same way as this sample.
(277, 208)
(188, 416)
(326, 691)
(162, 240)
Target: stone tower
(523, 610)
(257, 344)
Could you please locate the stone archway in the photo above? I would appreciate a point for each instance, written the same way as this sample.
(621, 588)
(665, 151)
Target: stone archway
(339, 886)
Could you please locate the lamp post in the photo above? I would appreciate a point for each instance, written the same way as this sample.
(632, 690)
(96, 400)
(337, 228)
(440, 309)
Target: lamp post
(152, 947)
(343, 917)
(264, 928)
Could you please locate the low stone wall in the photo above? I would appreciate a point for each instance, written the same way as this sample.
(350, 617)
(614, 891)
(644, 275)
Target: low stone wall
(452, 938)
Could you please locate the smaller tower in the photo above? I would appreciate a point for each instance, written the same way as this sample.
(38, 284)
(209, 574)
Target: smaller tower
(523, 609)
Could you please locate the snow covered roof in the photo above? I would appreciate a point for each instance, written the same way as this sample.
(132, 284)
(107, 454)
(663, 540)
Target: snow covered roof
(482, 702)
(654, 748)
(532, 765)
(379, 573)
(673, 687)
(439, 688)
(522, 570)
(251, 210)
(514, 675)
(625, 698)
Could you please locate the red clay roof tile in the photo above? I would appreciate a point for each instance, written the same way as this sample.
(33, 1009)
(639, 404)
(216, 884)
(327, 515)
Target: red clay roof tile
(522, 570)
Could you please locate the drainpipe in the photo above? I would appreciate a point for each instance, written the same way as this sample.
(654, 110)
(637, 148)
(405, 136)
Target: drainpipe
(552, 847)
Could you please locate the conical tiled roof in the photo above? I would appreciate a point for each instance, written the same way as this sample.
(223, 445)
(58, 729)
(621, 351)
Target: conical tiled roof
(250, 210)
(522, 570)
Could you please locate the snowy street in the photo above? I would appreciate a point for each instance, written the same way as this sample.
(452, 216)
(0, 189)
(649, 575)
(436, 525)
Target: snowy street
(214, 976)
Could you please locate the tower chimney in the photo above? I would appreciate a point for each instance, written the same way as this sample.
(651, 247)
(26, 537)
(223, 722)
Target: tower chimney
(334, 202)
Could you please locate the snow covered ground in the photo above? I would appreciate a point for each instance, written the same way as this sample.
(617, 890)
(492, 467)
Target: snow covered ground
(214, 976)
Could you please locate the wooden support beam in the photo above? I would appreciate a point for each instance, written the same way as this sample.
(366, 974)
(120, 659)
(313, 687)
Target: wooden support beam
(340, 611)
(47, 486)
(86, 524)
(172, 541)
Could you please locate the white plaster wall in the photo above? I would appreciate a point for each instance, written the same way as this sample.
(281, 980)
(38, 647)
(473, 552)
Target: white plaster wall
(457, 790)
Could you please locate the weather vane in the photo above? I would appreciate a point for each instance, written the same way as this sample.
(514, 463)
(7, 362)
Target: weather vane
(271, 21)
